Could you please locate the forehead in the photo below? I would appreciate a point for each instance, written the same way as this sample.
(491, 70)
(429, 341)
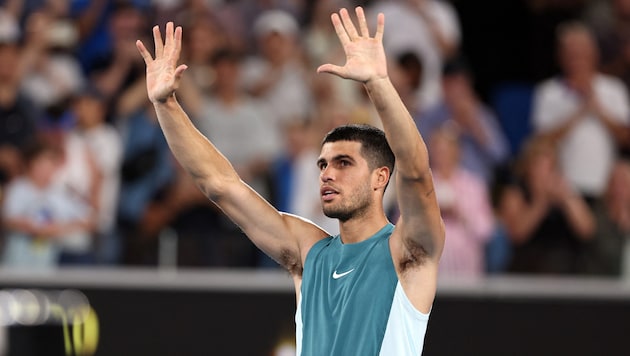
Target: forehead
(330, 150)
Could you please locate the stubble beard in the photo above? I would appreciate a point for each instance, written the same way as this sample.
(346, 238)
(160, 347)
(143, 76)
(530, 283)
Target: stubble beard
(357, 206)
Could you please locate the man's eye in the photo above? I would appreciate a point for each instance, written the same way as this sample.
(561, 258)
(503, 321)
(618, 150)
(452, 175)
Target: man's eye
(321, 166)
(344, 163)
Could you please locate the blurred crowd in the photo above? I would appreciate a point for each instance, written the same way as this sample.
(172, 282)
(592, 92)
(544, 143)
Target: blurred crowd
(535, 181)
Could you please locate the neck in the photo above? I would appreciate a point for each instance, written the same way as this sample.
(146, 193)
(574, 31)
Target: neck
(360, 229)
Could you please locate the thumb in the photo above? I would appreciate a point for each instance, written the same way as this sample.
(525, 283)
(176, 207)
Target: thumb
(332, 69)
(180, 70)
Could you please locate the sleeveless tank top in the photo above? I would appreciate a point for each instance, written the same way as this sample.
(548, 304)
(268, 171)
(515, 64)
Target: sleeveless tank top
(351, 302)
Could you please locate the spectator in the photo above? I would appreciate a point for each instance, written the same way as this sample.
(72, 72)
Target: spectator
(431, 29)
(204, 38)
(52, 73)
(603, 255)
(146, 170)
(613, 37)
(465, 207)
(295, 175)
(276, 74)
(483, 144)
(238, 125)
(18, 114)
(105, 145)
(584, 111)
(78, 175)
(120, 68)
(545, 218)
(40, 216)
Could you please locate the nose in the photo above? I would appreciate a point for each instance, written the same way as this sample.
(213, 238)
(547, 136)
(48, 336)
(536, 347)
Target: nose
(325, 175)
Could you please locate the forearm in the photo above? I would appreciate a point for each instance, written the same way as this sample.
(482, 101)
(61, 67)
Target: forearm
(559, 132)
(579, 217)
(618, 131)
(208, 167)
(19, 224)
(132, 99)
(404, 139)
(111, 79)
(521, 224)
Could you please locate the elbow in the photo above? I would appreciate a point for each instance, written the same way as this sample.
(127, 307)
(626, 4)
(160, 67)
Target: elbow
(214, 188)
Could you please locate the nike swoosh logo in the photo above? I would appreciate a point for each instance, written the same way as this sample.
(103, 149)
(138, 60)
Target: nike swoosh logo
(339, 275)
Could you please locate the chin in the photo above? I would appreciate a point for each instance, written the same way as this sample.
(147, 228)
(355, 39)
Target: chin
(336, 214)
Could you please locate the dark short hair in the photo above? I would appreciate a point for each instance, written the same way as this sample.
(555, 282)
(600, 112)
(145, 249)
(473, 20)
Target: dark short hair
(374, 146)
(39, 147)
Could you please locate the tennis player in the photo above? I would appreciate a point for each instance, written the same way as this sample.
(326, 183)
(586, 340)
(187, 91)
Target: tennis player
(368, 290)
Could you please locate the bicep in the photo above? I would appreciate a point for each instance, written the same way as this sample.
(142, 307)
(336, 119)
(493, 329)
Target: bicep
(420, 222)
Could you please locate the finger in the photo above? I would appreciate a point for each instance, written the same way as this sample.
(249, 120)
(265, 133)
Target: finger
(380, 26)
(157, 39)
(341, 32)
(363, 27)
(169, 35)
(144, 53)
(178, 40)
(348, 25)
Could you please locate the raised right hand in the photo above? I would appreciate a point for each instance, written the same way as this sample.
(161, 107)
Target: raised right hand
(163, 73)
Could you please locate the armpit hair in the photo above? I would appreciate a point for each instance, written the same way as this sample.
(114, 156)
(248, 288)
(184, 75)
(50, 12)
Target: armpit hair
(291, 262)
(415, 255)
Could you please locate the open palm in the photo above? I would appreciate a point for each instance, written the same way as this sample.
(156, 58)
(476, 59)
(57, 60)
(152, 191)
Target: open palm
(163, 73)
(365, 56)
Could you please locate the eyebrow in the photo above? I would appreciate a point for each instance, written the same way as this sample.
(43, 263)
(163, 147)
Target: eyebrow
(336, 158)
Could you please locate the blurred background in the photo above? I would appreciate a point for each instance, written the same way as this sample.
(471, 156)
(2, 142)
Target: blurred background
(523, 103)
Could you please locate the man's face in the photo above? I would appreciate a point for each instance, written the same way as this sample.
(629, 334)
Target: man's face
(345, 180)
(578, 54)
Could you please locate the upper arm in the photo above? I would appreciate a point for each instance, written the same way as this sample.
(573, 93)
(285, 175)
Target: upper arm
(284, 237)
(548, 110)
(420, 229)
(418, 239)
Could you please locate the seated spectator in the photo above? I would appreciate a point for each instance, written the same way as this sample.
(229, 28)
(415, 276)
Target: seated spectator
(40, 217)
(546, 219)
(465, 206)
(584, 111)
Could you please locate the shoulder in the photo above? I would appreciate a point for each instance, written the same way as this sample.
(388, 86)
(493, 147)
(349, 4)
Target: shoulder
(549, 84)
(18, 187)
(442, 9)
(609, 82)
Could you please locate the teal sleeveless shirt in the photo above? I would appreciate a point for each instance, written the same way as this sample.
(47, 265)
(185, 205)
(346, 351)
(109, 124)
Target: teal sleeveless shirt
(346, 298)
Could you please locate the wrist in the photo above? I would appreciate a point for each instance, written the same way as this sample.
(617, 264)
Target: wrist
(168, 100)
(377, 81)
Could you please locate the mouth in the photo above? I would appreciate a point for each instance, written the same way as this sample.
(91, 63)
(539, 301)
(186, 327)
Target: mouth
(328, 193)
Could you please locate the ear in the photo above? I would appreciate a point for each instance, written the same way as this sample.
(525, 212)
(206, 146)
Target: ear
(381, 178)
